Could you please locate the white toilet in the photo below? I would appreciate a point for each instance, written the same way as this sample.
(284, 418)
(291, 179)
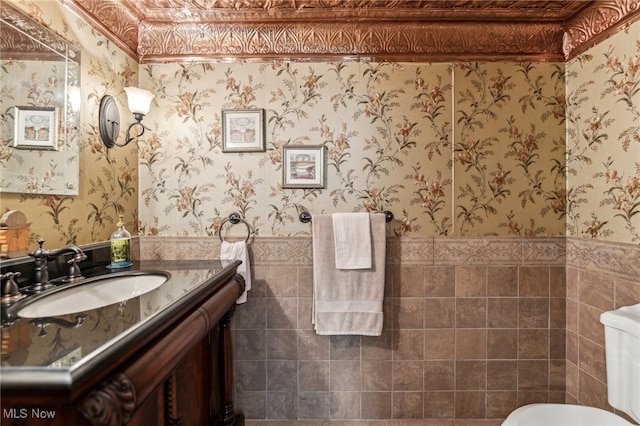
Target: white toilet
(622, 346)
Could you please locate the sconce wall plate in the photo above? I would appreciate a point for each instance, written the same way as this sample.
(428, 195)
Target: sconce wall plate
(109, 120)
(109, 116)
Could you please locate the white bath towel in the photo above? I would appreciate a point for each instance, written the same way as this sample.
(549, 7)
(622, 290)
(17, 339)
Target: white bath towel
(352, 239)
(347, 301)
(238, 251)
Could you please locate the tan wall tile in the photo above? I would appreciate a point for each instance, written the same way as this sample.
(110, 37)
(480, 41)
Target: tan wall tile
(592, 391)
(627, 292)
(439, 405)
(592, 360)
(408, 344)
(345, 375)
(502, 312)
(407, 405)
(470, 405)
(502, 343)
(471, 375)
(500, 404)
(439, 375)
(557, 312)
(408, 375)
(533, 374)
(376, 405)
(596, 290)
(533, 312)
(558, 281)
(502, 375)
(378, 347)
(471, 343)
(471, 281)
(572, 347)
(282, 281)
(376, 375)
(408, 281)
(557, 375)
(439, 281)
(439, 343)
(533, 281)
(408, 313)
(471, 312)
(557, 344)
(502, 281)
(589, 323)
(533, 344)
(439, 312)
(313, 376)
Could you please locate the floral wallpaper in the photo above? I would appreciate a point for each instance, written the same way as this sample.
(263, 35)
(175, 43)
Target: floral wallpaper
(603, 140)
(108, 180)
(464, 149)
(450, 149)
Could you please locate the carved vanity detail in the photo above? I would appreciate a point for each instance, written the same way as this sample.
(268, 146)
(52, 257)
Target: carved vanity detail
(163, 358)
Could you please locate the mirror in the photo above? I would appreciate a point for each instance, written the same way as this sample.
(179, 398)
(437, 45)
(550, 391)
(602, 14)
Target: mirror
(39, 108)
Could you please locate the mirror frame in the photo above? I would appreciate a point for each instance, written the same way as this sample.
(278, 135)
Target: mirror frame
(32, 41)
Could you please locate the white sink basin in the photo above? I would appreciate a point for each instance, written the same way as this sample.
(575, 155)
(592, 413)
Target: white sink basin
(94, 294)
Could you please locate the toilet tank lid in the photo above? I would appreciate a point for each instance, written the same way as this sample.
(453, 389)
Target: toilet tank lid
(626, 318)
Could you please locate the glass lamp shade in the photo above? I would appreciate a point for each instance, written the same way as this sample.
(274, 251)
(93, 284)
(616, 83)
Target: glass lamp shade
(139, 100)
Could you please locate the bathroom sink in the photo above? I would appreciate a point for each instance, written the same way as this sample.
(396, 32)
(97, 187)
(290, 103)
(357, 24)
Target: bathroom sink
(93, 293)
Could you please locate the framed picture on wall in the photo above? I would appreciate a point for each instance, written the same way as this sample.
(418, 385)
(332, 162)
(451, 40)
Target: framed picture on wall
(243, 130)
(303, 166)
(36, 128)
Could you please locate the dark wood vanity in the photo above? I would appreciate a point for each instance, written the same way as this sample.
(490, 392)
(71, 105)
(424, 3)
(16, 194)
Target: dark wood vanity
(164, 359)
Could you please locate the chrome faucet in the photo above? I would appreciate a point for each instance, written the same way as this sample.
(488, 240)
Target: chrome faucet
(41, 271)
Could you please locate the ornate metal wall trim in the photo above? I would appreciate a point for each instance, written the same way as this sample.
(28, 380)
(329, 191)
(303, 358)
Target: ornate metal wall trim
(426, 31)
(360, 40)
(598, 22)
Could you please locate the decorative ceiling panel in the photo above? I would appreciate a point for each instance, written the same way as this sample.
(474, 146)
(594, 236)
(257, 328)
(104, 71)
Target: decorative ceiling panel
(407, 30)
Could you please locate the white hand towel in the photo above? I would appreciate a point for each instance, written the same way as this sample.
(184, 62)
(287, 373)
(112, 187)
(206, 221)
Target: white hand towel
(352, 239)
(347, 301)
(238, 251)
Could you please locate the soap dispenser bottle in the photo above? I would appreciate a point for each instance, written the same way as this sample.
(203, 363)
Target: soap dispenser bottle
(120, 246)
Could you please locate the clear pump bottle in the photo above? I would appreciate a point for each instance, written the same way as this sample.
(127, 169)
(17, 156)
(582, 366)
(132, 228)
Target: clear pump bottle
(120, 246)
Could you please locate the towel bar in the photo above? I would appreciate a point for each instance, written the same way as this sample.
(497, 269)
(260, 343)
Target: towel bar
(234, 219)
(305, 217)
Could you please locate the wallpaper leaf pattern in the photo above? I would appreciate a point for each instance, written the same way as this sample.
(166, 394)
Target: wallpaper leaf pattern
(451, 149)
(388, 131)
(464, 149)
(603, 149)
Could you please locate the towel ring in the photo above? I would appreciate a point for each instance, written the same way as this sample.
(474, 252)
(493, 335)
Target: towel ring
(234, 219)
(305, 217)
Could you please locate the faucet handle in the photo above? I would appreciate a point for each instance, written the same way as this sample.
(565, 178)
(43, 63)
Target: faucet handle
(39, 253)
(10, 290)
(74, 273)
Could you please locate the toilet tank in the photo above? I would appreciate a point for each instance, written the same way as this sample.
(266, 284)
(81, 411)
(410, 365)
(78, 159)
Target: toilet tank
(622, 346)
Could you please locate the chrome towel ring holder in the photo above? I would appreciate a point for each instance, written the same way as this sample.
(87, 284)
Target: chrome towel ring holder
(234, 219)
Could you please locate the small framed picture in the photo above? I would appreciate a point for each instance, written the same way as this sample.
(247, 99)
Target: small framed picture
(243, 130)
(36, 128)
(303, 166)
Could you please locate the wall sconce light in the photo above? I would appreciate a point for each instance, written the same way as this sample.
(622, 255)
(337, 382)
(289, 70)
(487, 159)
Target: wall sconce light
(109, 117)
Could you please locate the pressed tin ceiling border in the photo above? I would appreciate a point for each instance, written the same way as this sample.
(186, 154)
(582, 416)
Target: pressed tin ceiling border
(297, 39)
(373, 41)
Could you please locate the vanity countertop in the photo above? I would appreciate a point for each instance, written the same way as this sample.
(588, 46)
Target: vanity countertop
(50, 355)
